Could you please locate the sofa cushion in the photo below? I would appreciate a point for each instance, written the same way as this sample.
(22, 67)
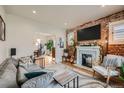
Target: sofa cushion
(26, 68)
(33, 68)
(34, 74)
(8, 75)
(103, 71)
(14, 61)
(54, 84)
(30, 67)
(21, 78)
(39, 82)
(26, 59)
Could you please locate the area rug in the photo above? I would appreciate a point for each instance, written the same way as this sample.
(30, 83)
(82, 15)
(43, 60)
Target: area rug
(85, 81)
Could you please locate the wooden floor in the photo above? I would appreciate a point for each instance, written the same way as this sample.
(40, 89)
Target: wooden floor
(114, 82)
(78, 69)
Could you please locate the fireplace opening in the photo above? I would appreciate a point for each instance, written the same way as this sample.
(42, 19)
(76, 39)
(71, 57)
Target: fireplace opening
(87, 60)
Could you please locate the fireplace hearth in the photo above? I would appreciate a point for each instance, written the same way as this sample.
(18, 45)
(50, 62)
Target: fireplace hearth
(87, 60)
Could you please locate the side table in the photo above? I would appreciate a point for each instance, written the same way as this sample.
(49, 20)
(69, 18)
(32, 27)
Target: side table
(41, 61)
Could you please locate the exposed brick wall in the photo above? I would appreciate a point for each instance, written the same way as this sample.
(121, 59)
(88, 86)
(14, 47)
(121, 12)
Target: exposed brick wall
(116, 49)
(111, 49)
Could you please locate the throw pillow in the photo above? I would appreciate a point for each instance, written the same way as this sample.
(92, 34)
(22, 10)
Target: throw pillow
(34, 74)
(21, 78)
(26, 59)
(39, 82)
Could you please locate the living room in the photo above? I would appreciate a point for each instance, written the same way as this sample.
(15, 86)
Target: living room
(55, 43)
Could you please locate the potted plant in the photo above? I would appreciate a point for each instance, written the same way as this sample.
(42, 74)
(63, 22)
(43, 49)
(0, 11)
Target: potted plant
(121, 77)
(49, 45)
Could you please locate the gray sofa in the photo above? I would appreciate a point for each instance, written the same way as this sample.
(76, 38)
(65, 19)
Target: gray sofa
(12, 75)
(8, 74)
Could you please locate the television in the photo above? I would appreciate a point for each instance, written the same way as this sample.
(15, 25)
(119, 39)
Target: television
(90, 33)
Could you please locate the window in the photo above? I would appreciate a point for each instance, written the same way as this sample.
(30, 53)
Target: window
(116, 32)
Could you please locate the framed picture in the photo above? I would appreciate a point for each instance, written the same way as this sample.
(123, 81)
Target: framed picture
(61, 43)
(2, 29)
(116, 32)
(70, 38)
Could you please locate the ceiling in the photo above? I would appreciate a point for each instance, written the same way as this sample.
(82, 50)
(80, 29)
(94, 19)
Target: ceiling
(62, 16)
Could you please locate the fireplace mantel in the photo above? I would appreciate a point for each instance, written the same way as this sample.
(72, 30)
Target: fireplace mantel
(92, 50)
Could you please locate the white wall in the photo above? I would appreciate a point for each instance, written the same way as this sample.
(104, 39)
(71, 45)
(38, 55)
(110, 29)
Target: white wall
(59, 51)
(2, 43)
(22, 32)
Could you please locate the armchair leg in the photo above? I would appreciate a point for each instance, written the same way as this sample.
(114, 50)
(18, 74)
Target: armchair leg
(93, 73)
(107, 81)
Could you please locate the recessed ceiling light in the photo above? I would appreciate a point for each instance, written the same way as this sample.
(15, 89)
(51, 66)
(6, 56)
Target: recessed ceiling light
(34, 12)
(65, 24)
